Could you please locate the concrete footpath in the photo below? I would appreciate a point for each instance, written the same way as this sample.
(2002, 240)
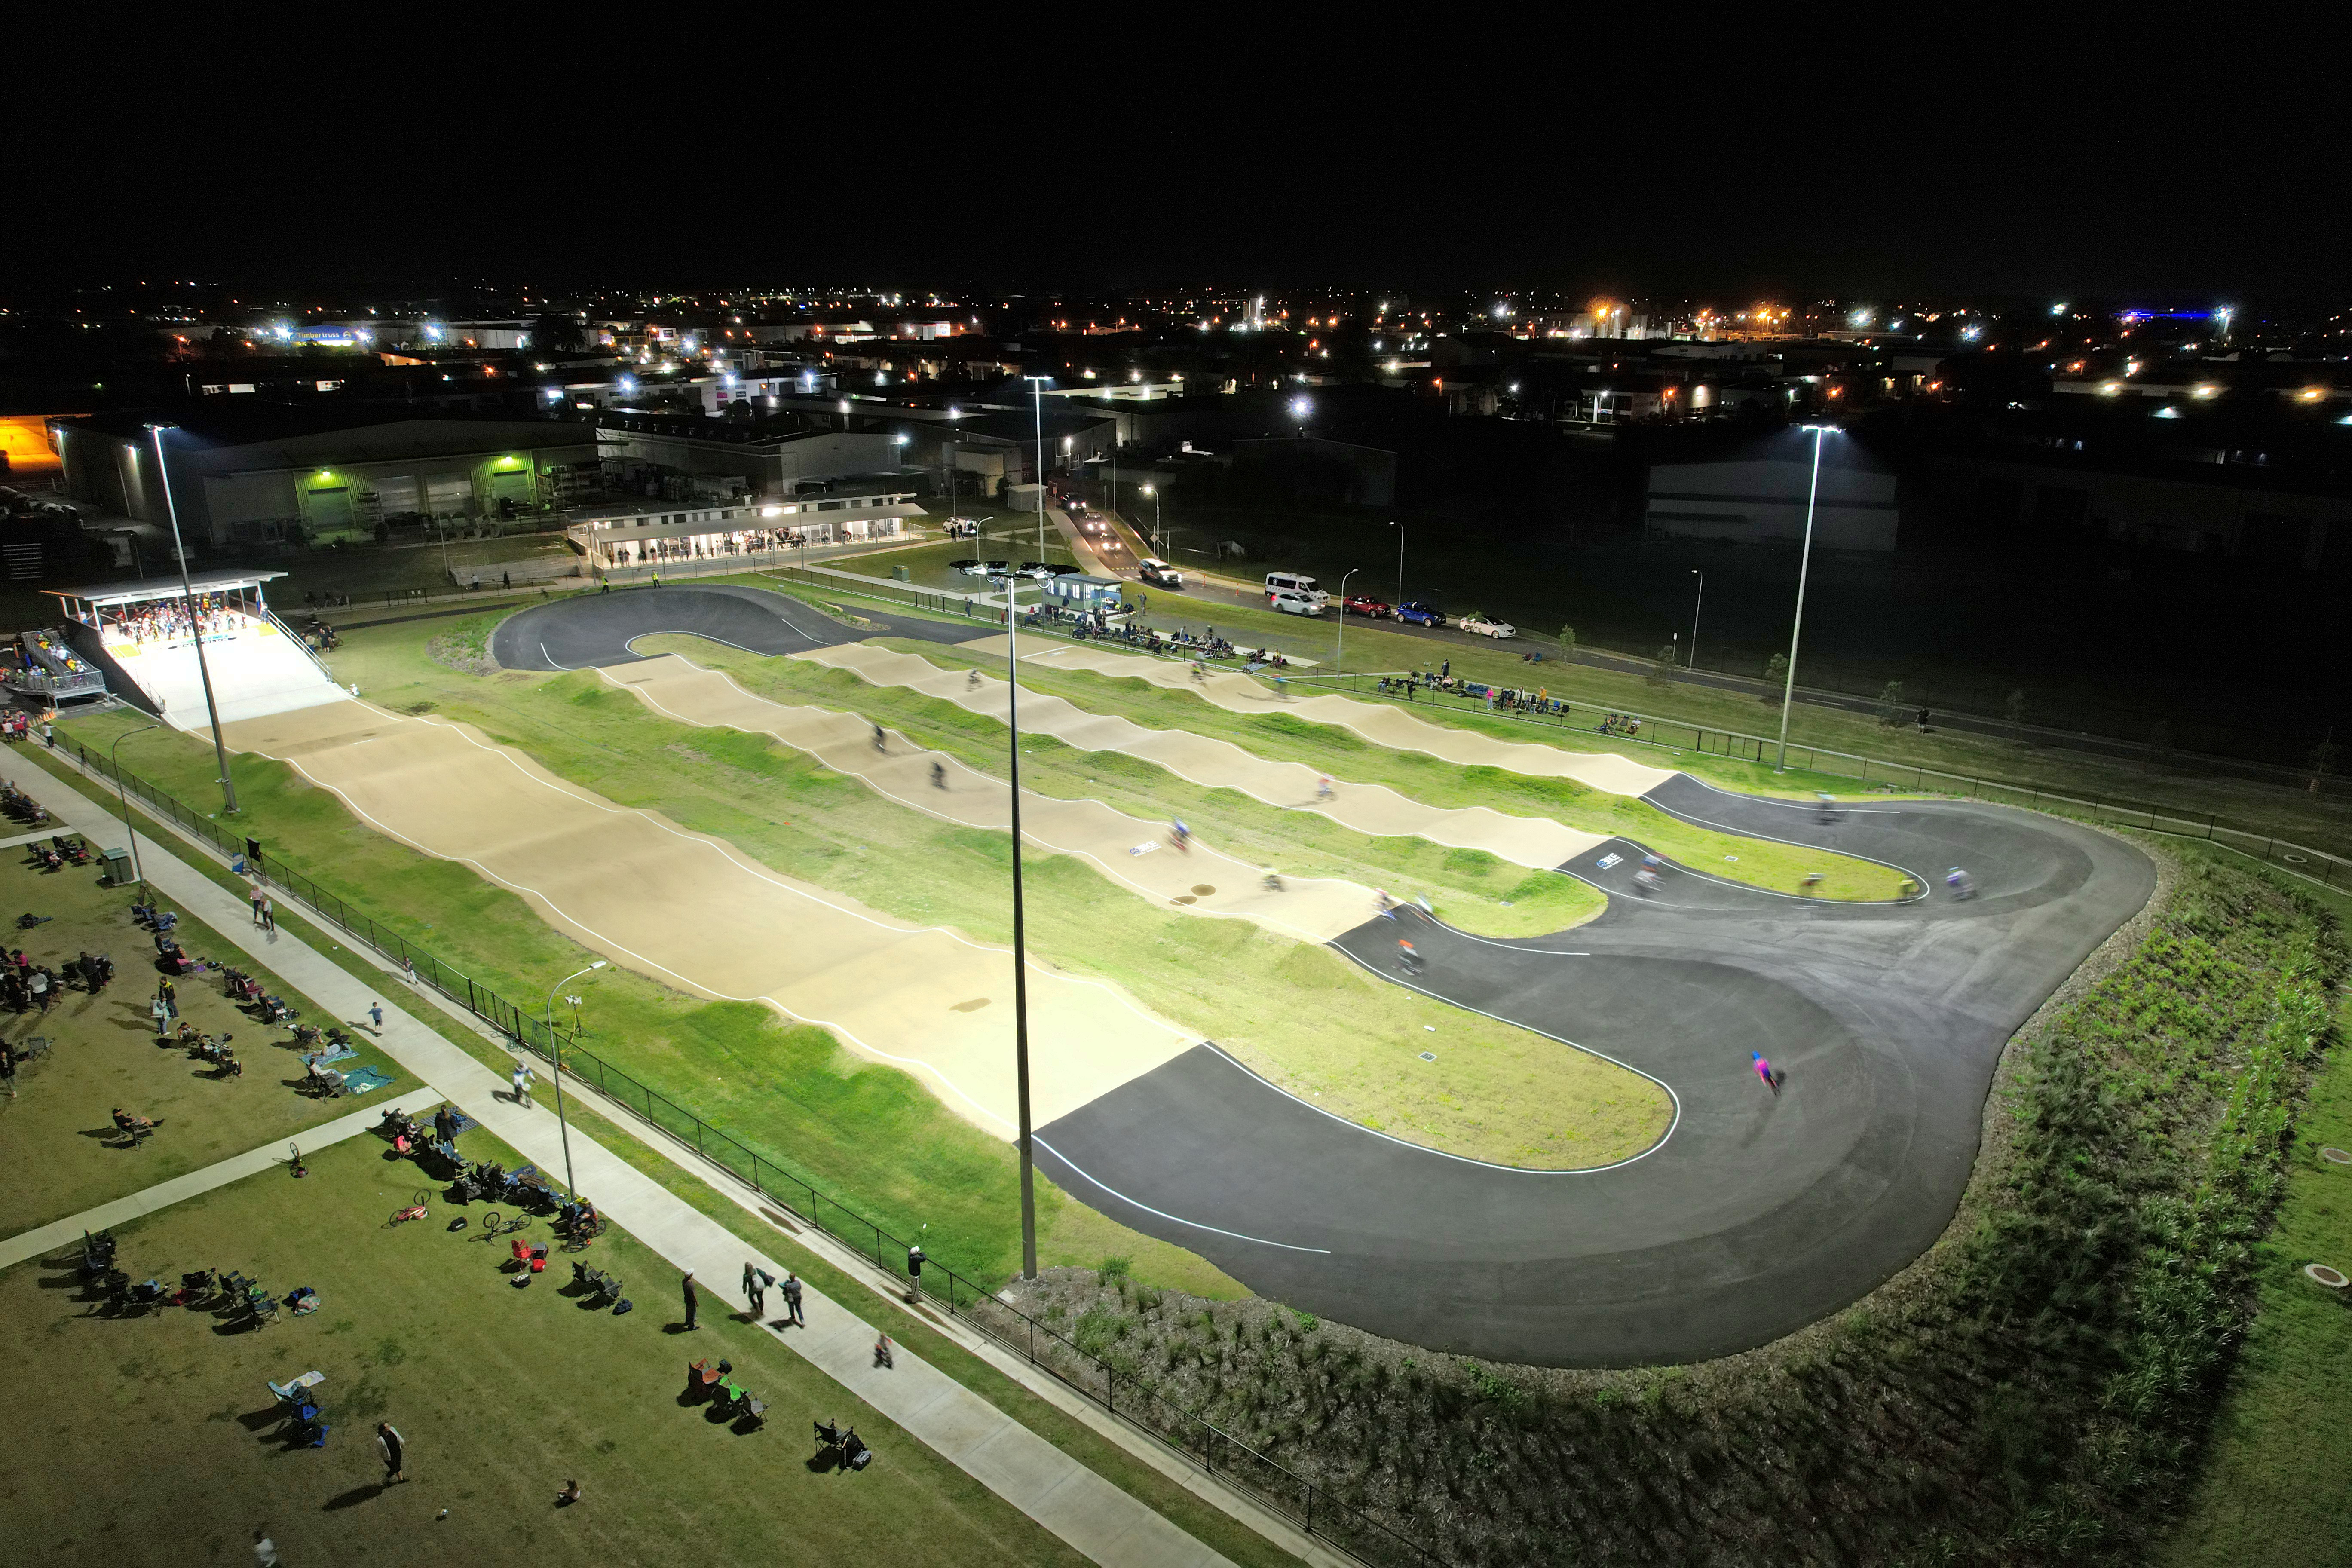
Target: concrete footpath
(1095, 1517)
(48, 1238)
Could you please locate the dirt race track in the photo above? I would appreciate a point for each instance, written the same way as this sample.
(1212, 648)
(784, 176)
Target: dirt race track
(696, 913)
(1759, 1212)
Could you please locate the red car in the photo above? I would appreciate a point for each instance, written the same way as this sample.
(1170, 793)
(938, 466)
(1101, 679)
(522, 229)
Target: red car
(1360, 605)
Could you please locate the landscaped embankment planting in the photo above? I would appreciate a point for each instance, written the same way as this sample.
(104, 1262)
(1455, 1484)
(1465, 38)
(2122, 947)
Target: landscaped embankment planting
(2035, 1390)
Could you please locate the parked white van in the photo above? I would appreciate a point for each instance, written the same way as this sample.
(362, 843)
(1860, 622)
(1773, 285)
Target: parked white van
(1290, 602)
(1296, 583)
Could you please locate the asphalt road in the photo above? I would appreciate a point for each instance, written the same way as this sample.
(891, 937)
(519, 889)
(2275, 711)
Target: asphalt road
(1754, 1215)
(600, 629)
(1757, 1214)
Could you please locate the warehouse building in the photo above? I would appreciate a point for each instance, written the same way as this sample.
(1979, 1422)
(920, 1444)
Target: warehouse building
(266, 475)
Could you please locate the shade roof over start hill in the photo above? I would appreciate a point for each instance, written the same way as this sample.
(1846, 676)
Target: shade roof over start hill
(163, 587)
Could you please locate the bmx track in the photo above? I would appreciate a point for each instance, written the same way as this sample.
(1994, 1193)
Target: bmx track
(1756, 1214)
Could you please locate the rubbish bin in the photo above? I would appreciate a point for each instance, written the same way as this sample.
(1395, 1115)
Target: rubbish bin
(904, 575)
(117, 863)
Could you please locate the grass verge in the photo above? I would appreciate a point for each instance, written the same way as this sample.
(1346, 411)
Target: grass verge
(163, 1430)
(103, 1053)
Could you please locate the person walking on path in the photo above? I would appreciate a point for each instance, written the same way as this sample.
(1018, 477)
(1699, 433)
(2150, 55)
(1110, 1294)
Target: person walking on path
(792, 1299)
(387, 1438)
(49, 734)
(268, 914)
(1772, 1079)
(882, 1350)
(755, 1291)
(521, 1084)
(375, 1014)
(693, 1300)
(409, 967)
(255, 893)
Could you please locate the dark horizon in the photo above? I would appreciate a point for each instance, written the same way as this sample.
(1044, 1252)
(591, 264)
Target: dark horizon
(1948, 171)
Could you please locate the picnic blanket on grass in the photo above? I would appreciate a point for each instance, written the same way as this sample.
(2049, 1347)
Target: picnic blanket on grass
(359, 1081)
(329, 1056)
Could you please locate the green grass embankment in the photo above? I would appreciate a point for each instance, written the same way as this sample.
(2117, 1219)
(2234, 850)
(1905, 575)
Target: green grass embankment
(1471, 889)
(1289, 737)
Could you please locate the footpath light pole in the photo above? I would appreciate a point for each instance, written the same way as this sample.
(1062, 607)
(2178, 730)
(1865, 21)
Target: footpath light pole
(195, 621)
(113, 760)
(1020, 941)
(1340, 645)
(1804, 565)
(1696, 605)
(1400, 592)
(555, 1055)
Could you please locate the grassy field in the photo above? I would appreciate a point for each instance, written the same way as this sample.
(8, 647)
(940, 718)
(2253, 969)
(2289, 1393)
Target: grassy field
(2273, 1492)
(1346, 756)
(1078, 1232)
(161, 1431)
(103, 1054)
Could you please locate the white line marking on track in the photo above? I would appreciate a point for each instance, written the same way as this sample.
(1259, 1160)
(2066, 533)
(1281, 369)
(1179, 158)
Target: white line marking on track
(1163, 1214)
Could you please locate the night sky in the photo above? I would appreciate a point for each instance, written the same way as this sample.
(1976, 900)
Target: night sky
(1971, 159)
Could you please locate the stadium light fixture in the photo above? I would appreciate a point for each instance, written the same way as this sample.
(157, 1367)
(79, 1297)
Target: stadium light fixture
(1804, 566)
(196, 621)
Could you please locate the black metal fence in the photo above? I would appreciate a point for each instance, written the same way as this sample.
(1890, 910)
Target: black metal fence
(1125, 1393)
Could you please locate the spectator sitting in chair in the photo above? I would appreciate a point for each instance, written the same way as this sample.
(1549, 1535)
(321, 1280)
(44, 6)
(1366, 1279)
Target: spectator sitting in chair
(129, 1125)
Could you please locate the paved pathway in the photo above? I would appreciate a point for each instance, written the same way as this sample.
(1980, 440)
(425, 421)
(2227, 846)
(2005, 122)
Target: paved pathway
(1094, 1515)
(48, 1238)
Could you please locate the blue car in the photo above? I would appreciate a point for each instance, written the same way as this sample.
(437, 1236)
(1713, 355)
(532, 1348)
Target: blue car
(1419, 613)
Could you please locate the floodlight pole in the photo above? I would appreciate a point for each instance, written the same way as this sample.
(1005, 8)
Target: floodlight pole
(1696, 605)
(195, 623)
(1804, 565)
(1037, 400)
(1400, 592)
(555, 1056)
(1019, 939)
(113, 759)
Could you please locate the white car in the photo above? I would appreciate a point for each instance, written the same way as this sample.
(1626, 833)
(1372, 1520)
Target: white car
(1288, 602)
(1486, 629)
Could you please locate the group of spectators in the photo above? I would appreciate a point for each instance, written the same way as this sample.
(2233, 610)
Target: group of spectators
(167, 620)
(752, 542)
(26, 986)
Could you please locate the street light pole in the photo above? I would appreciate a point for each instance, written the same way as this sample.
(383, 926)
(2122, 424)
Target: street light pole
(113, 760)
(1037, 401)
(1804, 566)
(555, 1055)
(1340, 645)
(195, 623)
(1697, 605)
(1020, 945)
(1400, 592)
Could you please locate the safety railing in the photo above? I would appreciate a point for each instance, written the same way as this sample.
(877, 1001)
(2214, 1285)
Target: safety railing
(1314, 1507)
(298, 640)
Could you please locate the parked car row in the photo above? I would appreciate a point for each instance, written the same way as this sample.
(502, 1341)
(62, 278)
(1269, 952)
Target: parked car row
(1297, 595)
